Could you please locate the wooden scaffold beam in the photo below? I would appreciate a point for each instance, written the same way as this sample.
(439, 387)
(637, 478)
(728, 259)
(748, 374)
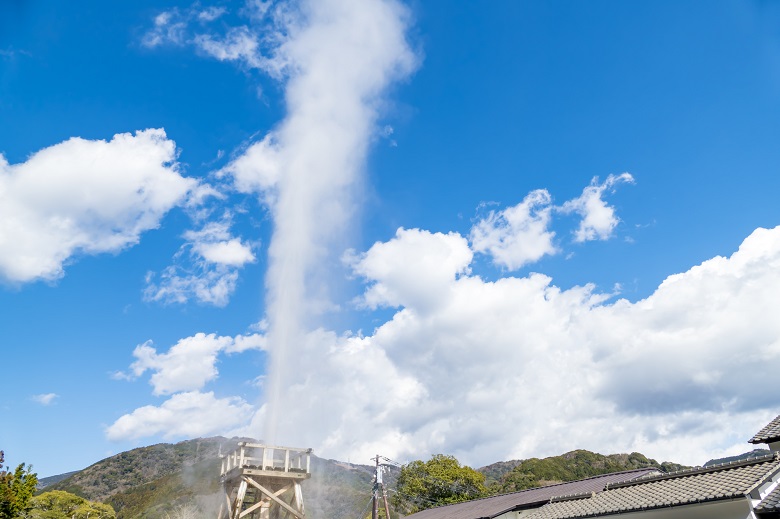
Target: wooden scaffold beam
(264, 482)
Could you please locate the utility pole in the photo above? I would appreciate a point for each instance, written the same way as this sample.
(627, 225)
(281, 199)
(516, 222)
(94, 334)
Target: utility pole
(379, 484)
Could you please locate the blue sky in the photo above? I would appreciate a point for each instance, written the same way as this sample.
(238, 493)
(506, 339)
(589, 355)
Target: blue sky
(403, 228)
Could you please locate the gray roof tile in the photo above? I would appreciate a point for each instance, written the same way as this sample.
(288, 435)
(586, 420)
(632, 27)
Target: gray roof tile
(680, 488)
(771, 503)
(496, 505)
(768, 434)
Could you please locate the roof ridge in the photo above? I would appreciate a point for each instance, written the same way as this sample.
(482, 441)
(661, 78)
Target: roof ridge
(774, 456)
(545, 486)
(576, 481)
(769, 433)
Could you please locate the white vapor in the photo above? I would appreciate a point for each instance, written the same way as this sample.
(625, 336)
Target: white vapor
(84, 197)
(338, 58)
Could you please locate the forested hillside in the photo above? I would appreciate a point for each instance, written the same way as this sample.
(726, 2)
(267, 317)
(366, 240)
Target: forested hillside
(517, 475)
(153, 482)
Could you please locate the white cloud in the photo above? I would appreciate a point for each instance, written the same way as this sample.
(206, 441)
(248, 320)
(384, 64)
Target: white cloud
(45, 398)
(84, 197)
(190, 27)
(206, 285)
(169, 28)
(231, 252)
(598, 218)
(238, 44)
(211, 13)
(184, 415)
(517, 235)
(422, 283)
(205, 267)
(215, 244)
(190, 363)
(257, 169)
(518, 367)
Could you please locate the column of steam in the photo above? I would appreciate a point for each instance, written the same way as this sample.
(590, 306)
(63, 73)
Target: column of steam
(341, 56)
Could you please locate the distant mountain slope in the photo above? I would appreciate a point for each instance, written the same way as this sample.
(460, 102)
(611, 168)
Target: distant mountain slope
(495, 471)
(571, 466)
(745, 455)
(132, 469)
(45, 482)
(150, 482)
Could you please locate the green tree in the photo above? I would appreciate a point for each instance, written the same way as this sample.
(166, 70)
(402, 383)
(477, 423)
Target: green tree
(16, 489)
(439, 481)
(57, 504)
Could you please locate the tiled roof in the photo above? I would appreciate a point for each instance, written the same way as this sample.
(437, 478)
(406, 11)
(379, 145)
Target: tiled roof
(725, 481)
(771, 503)
(493, 506)
(768, 434)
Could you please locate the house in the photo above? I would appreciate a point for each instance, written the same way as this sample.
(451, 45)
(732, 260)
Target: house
(510, 506)
(745, 489)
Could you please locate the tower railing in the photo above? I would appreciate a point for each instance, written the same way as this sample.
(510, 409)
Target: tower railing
(277, 460)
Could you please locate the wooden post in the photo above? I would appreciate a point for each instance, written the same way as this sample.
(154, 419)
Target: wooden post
(239, 500)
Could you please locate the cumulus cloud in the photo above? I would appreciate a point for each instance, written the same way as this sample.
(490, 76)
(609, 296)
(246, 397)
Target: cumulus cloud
(513, 368)
(397, 282)
(598, 218)
(84, 197)
(182, 372)
(257, 169)
(45, 398)
(519, 367)
(190, 363)
(189, 415)
(517, 235)
(205, 268)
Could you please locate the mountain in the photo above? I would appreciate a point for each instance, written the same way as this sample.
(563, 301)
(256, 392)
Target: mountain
(152, 482)
(579, 464)
(45, 482)
(752, 454)
(157, 481)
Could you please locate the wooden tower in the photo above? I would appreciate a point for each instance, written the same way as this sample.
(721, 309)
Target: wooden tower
(263, 482)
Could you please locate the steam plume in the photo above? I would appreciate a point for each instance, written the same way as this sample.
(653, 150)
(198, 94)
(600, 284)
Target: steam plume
(339, 57)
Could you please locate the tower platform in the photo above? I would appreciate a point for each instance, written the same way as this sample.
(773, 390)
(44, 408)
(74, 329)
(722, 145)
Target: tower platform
(264, 482)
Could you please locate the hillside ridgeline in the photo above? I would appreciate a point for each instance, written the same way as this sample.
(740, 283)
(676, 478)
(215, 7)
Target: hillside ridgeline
(512, 476)
(157, 481)
(154, 482)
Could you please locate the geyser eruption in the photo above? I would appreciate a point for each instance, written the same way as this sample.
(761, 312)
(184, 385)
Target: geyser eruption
(338, 58)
